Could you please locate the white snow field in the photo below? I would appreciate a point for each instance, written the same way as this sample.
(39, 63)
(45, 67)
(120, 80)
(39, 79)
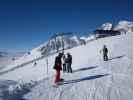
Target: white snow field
(4, 61)
(92, 78)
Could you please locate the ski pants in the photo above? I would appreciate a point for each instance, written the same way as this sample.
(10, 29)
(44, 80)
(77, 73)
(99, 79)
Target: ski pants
(105, 57)
(57, 76)
(69, 68)
(64, 67)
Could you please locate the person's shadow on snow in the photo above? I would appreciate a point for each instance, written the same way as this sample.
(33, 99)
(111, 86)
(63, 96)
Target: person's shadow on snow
(85, 68)
(117, 57)
(85, 79)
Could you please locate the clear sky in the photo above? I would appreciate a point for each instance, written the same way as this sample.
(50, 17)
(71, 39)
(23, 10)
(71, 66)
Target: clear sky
(24, 24)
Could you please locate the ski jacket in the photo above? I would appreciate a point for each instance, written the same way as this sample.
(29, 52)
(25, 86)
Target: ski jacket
(105, 50)
(58, 63)
(63, 59)
(69, 59)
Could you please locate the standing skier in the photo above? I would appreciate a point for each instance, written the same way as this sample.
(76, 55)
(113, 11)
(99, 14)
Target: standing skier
(64, 62)
(58, 68)
(69, 62)
(35, 63)
(105, 53)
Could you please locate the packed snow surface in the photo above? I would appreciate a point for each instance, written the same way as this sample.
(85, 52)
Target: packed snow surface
(92, 78)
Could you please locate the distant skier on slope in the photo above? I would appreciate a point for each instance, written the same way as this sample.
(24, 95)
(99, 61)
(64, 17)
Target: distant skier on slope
(58, 68)
(105, 53)
(35, 63)
(69, 63)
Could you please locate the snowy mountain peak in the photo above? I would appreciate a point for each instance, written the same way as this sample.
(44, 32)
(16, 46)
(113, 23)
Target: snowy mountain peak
(124, 26)
(76, 39)
(125, 23)
(58, 42)
(106, 26)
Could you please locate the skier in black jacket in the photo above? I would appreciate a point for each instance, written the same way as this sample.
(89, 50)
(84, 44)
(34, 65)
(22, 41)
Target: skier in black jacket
(69, 62)
(64, 62)
(105, 53)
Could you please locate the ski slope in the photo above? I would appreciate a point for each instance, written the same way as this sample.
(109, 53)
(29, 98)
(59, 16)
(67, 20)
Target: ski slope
(40, 52)
(92, 79)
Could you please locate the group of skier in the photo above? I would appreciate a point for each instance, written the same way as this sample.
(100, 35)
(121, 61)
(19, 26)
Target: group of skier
(65, 61)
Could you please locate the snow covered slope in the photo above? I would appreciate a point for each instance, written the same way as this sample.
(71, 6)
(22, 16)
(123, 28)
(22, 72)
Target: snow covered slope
(6, 58)
(85, 55)
(69, 42)
(92, 79)
(48, 47)
(88, 38)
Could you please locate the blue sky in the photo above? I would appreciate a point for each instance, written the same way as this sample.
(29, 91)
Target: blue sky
(24, 24)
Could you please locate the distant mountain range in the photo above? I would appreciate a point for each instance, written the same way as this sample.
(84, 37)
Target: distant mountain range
(61, 42)
(122, 26)
(66, 42)
(9, 54)
(3, 54)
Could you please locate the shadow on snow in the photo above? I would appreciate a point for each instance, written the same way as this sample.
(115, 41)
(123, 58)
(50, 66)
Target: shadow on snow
(16, 94)
(118, 57)
(83, 69)
(85, 79)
